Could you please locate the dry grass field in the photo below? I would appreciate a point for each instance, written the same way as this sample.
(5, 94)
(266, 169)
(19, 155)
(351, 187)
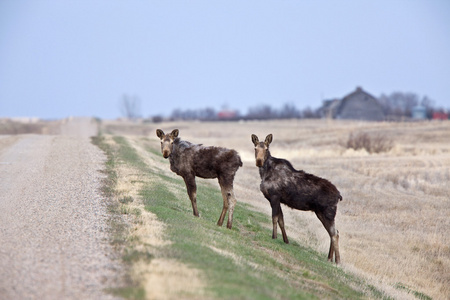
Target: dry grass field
(394, 219)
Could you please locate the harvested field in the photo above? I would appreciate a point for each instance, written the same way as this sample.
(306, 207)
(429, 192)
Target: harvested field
(395, 215)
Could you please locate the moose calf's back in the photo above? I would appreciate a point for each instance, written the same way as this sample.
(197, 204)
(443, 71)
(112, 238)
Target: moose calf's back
(212, 162)
(297, 189)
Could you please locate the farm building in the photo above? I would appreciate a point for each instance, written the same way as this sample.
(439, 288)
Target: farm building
(227, 114)
(440, 115)
(419, 112)
(358, 105)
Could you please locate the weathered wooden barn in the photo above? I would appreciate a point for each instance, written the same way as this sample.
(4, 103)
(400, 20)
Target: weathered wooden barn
(358, 105)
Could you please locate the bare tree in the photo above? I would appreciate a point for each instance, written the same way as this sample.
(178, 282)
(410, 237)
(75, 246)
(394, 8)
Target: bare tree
(309, 113)
(130, 107)
(204, 114)
(261, 112)
(289, 111)
(429, 106)
(399, 104)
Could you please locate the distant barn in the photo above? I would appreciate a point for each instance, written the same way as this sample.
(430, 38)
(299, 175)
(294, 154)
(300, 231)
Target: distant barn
(358, 105)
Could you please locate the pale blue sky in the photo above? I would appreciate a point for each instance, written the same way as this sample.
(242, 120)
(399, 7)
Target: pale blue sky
(78, 58)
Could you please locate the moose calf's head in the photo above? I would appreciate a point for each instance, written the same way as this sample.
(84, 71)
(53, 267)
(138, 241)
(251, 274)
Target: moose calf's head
(261, 149)
(167, 141)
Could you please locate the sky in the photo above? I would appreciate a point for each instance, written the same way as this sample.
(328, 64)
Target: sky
(79, 58)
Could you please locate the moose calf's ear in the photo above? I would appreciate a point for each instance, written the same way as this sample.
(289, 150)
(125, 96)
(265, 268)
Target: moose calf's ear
(268, 139)
(255, 140)
(174, 133)
(159, 133)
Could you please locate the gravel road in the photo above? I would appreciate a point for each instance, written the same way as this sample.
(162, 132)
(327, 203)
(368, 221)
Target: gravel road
(53, 229)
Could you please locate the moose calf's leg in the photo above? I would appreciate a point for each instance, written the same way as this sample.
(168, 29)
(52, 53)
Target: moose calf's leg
(331, 251)
(231, 204)
(334, 248)
(192, 192)
(275, 224)
(229, 201)
(281, 223)
(276, 208)
(334, 236)
(225, 205)
(337, 256)
(334, 243)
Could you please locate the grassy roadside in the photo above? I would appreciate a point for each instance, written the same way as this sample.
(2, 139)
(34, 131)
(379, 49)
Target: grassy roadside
(119, 228)
(242, 263)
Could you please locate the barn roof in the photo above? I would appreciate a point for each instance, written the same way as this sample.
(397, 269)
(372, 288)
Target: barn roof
(360, 105)
(358, 90)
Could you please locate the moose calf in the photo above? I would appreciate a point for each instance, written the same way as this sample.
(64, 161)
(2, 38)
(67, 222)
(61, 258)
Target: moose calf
(281, 183)
(189, 160)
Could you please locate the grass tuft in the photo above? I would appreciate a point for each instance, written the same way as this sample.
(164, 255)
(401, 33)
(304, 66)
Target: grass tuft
(126, 200)
(371, 143)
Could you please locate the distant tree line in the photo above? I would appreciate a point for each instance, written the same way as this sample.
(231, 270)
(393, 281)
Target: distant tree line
(398, 104)
(259, 112)
(205, 114)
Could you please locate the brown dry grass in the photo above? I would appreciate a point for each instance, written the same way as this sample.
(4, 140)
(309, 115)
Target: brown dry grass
(372, 144)
(395, 216)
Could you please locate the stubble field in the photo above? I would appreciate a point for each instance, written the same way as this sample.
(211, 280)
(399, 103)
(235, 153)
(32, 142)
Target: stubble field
(395, 214)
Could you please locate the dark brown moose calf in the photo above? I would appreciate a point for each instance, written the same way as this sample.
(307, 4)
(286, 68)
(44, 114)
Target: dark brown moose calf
(189, 160)
(281, 183)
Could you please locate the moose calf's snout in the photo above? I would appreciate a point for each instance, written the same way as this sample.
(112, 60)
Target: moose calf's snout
(259, 157)
(259, 162)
